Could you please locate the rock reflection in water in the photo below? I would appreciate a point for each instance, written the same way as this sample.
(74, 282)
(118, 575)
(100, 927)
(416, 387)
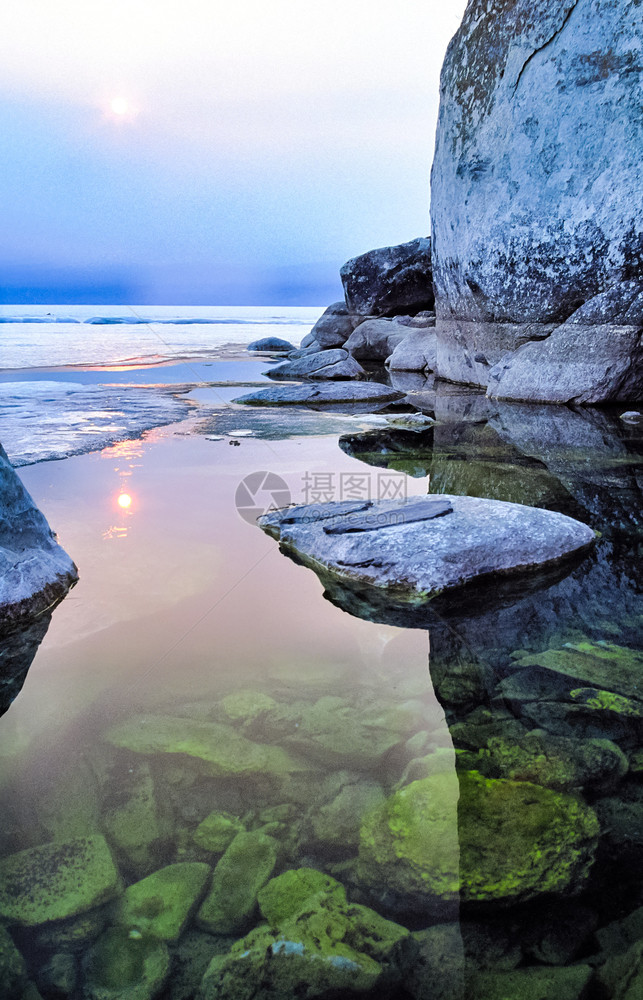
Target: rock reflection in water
(18, 647)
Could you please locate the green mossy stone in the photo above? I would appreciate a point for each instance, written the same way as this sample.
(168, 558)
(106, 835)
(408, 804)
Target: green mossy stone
(337, 824)
(330, 949)
(73, 934)
(225, 751)
(123, 967)
(518, 840)
(243, 870)
(551, 761)
(498, 840)
(56, 881)
(600, 664)
(331, 731)
(217, 831)
(161, 905)
(409, 845)
(607, 701)
(131, 818)
(13, 971)
(245, 706)
(621, 978)
(69, 806)
(285, 896)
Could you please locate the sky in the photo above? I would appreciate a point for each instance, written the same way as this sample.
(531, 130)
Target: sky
(201, 151)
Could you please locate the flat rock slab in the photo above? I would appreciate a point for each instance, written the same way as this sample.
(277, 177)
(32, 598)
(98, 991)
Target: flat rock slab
(225, 751)
(313, 395)
(56, 881)
(415, 560)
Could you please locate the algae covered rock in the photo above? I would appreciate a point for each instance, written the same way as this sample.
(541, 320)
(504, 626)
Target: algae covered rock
(409, 845)
(56, 881)
(217, 831)
(160, 905)
(125, 967)
(509, 842)
(552, 761)
(131, 818)
(245, 867)
(245, 706)
(604, 665)
(317, 945)
(286, 896)
(337, 824)
(330, 730)
(224, 751)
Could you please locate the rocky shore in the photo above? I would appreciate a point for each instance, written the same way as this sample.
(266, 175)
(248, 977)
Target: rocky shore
(531, 285)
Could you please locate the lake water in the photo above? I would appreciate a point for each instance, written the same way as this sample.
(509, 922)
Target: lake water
(219, 780)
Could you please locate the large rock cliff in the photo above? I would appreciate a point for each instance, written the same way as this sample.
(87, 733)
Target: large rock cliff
(537, 214)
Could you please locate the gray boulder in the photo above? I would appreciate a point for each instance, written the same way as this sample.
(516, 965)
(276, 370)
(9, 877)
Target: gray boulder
(275, 344)
(35, 572)
(333, 327)
(315, 395)
(416, 549)
(535, 201)
(415, 353)
(320, 365)
(390, 280)
(376, 339)
(597, 354)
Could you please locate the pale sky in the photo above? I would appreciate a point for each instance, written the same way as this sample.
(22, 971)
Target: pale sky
(245, 136)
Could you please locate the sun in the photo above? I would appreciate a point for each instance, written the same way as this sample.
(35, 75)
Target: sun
(120, 105)
(124, 500)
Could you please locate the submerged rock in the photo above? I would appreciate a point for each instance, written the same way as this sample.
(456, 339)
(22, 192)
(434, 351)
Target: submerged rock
(217, 831)
(224, 751)
(414, 562)
(390, 280)
(314, 945)
(132, 819)
(161, 905)
(123, 967)
(604, 664)
(536, 218)
(57, 880)
(317, 395)
(35, 572)
(243, 870)
(274, 344)
(482, 840)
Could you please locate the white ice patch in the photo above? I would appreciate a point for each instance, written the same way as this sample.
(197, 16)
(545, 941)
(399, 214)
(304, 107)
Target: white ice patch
(41, 421)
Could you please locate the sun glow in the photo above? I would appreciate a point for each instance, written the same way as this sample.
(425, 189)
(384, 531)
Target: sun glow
(120, 106)
(124, 500)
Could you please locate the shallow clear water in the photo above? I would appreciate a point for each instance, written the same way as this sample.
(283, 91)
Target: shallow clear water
(473, 779)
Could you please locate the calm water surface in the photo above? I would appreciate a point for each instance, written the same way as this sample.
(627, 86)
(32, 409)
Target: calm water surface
(463, 791)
